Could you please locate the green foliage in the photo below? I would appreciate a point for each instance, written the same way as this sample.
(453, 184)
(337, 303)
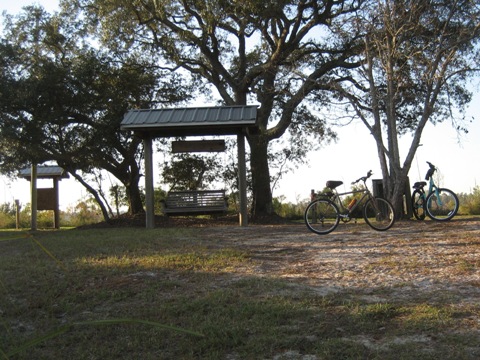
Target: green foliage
(191, 172)
(8, 209)
(63, 96)
(470, 203)
(289, 210)
(85, 212)
(159, 196)
(7, 221)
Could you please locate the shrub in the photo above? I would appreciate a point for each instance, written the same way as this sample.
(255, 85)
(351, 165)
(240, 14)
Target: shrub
(470, 203)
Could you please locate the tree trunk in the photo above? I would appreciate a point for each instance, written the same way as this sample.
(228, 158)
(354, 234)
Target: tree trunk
(397, 193)
(135, 203)
(95, 194)
(262, 194)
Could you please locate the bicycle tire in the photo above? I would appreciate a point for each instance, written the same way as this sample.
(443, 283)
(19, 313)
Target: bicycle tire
(418, 205)
(379, 214)
(446, 209)
(322, 216)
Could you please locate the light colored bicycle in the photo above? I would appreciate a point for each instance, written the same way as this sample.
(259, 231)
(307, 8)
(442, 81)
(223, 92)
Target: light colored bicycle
(324, 213)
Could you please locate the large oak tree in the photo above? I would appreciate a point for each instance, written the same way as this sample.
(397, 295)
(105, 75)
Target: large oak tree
(279, 54)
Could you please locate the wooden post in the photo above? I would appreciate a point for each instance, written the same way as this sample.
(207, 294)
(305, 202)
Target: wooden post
(33, 194)
(56, 210)
(149, 193)
(17, 213)
(242, 180)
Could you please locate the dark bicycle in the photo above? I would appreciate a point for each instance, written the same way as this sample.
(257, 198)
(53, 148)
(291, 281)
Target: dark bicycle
(324, 213)
(438, 204)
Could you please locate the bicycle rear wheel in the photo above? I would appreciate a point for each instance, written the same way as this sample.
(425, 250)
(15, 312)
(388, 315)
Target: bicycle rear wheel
(442, 204)
(378, 214)
(322, 216)
(418, 204)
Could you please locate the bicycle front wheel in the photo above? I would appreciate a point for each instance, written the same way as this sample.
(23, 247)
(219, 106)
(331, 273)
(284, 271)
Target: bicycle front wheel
(442, 204)
(322, 216)
(378, 214)
(418, 204)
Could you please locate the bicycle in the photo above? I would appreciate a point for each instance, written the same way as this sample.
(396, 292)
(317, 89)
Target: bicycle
(438, 204)
(324, 213)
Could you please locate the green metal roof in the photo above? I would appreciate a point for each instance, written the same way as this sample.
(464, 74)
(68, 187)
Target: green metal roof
(45, 171)
(219, 120)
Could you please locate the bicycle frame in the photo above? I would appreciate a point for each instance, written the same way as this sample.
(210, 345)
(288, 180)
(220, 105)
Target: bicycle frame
(432, 187)
(346, 212)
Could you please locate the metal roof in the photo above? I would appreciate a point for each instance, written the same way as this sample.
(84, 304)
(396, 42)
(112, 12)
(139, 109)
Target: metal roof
(218, 120)
(45, 171)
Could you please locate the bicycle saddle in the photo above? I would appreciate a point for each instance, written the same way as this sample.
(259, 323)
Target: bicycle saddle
(332, 184)
(419, 184)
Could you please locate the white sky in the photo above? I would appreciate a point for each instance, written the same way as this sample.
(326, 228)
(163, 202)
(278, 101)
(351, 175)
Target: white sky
(351, 157)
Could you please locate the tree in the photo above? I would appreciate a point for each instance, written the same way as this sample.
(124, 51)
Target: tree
(279, 54)
(62, 100)
(418, 57)
(191, 172)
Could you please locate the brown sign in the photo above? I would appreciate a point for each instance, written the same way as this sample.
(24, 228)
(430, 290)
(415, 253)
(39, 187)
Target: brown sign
(198, 146)
(46, 199)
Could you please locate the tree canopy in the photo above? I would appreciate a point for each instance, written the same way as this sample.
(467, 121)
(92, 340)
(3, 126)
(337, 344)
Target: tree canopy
(278, 54)
(68, 78)
(418, 58)
(62, 99)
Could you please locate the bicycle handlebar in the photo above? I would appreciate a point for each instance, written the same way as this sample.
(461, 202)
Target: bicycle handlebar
(363, 178)
(430, 171)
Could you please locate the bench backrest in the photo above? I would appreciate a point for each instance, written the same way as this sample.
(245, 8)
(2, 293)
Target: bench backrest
(196, 201)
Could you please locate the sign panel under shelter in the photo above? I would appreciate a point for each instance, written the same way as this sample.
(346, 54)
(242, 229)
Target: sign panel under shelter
(198, 146)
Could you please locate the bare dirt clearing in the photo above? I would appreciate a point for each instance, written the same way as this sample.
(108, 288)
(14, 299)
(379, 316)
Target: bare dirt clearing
(412, 263)
(410, 259)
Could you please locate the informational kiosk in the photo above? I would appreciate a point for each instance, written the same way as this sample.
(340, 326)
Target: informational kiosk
(46, 198)
(197, 121)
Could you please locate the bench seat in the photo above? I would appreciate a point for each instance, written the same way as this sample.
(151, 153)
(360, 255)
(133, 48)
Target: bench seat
(195, 202)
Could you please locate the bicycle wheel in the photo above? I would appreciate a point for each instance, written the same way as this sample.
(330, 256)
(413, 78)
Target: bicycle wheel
(322, 216)
(379, 214)
(442, 204)
(418, 204)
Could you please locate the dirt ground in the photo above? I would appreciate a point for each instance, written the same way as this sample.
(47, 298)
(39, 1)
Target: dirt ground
(412, 258)
(414, 262)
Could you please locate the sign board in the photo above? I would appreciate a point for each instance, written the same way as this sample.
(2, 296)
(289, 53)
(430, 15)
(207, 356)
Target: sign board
(46, 199)
(198, 146)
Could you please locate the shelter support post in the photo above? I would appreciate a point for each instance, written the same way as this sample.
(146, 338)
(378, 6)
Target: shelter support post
(149, 195)
(56, 210)
(33, 194)
(242, 180)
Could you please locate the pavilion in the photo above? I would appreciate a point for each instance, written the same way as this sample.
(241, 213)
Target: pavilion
(195, 121)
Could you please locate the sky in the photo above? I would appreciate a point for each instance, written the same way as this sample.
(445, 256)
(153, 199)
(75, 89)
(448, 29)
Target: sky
(352, 156)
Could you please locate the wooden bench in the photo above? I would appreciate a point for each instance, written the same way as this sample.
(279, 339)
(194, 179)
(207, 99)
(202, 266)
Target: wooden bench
(197, 202)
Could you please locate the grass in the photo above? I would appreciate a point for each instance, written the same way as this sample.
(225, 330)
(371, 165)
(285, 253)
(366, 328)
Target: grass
(182, 294)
